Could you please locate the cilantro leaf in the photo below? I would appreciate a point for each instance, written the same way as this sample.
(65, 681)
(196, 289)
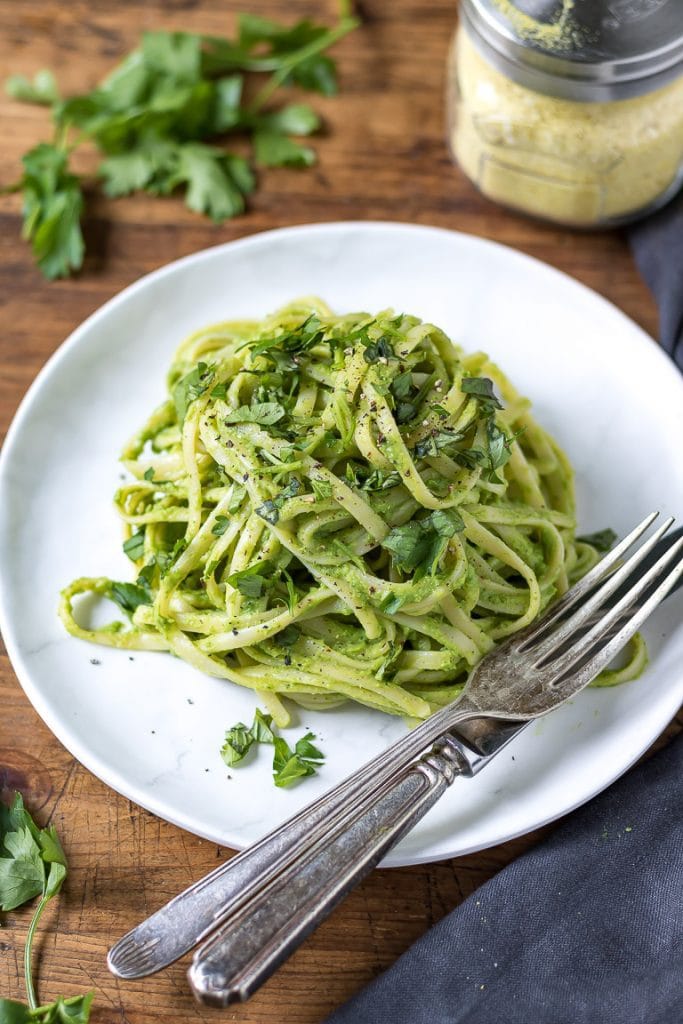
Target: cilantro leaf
(264, 413)
(129, 596)
(603, 540)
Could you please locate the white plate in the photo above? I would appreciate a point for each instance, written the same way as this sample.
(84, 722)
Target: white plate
(152, 727)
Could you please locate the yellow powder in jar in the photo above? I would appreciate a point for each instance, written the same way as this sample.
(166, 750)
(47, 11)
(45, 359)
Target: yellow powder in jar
(578, 163)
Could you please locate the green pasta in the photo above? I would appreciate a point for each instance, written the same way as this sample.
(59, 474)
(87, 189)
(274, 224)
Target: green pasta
(331, 508)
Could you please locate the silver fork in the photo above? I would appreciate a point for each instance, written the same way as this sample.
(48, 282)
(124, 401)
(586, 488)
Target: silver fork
(526, 677)
(200, 909)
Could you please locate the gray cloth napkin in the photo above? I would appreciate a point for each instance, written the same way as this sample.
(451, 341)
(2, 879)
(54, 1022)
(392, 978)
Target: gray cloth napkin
(587, 928)
(657, 245)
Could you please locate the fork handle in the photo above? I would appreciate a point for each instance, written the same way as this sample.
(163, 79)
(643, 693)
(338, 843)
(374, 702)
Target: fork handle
(265, 930)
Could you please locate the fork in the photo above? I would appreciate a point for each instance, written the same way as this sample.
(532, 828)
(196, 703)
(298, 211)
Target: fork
(527, 676)
(199, 910)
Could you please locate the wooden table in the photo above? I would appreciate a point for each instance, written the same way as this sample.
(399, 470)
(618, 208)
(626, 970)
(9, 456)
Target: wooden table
(383, 156)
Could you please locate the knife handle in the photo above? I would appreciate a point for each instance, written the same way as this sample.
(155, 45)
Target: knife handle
(191, 916)
(277, 917)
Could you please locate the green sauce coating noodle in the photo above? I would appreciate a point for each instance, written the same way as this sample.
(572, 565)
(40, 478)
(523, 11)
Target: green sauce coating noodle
(332, 508)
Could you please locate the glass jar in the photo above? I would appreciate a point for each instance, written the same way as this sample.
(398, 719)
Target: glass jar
(577, 119)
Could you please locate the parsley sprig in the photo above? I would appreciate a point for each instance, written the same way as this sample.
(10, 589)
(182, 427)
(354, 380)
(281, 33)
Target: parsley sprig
(158, 120)
(33, 863)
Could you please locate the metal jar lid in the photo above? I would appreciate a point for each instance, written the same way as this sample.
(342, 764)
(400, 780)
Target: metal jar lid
(587, 50)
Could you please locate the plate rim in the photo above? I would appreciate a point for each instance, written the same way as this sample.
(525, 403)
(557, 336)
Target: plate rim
(89, 758)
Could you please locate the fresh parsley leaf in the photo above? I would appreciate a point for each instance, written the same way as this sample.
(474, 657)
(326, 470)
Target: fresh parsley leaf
(251, 582)
(269, 511)
(304, 748)
(42, 90)
(435, 442)
(272, 149)
(266, 414)
(220, 526)
(316, 73)
(238, 742)
(288, 636)
(603, 540)
(134, 547)
(149, 475)
(498, 446)
(124, 173)
(238, 493)
(419, 544)
(294, 119)
(219, 390)
(22, 871)
(216, 181)
(290, 765)
(292, 595)
(129, 596)
(402, 385)
(33, 863)
(391, 603)
(53, 204)
(377, 350)
(321, 488)
(481, 387)
(261, 728)
(190, 387)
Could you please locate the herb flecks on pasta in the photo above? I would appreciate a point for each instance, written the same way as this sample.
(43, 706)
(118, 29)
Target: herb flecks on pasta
(332, 508)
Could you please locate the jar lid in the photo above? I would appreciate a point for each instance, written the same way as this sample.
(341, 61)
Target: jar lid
(588, 50)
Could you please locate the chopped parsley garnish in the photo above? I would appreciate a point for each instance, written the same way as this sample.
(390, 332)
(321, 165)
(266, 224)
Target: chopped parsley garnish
(270, 510)
(191, 387)
(603, 540)
(481, 387)
(220, 526)
(129, 596)
(252, 582)
(288, 765)
(417, 546)
(134, 547)
(288, 636)
(266, 414)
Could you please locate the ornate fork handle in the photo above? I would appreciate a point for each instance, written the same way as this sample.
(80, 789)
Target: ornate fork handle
(242, 954)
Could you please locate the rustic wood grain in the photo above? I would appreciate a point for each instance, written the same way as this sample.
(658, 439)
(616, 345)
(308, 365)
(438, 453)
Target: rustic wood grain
(382, 156)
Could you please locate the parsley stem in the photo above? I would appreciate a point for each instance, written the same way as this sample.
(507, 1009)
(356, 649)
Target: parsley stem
(30, 990)
(322, 43)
